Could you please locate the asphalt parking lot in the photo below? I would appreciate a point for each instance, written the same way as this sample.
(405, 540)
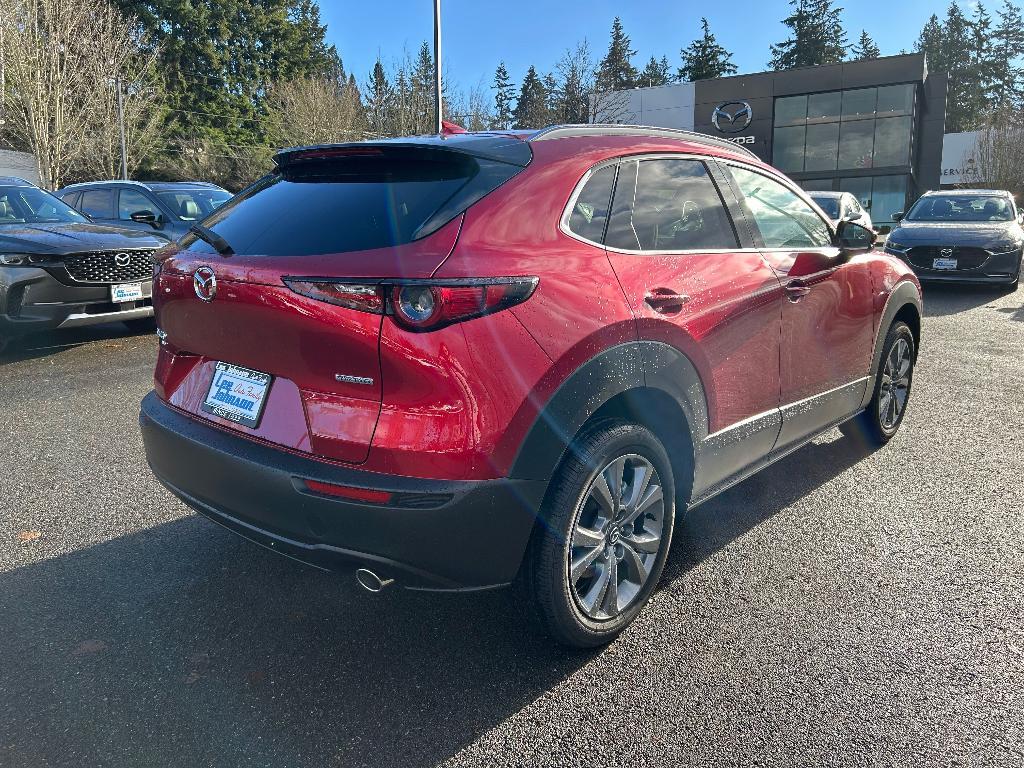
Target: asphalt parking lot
(841, 608)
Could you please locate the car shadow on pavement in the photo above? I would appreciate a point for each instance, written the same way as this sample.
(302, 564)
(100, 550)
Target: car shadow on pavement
(184, 645)
(37, 345)
(941, 299)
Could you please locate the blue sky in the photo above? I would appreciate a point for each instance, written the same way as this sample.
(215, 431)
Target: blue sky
(477, 34)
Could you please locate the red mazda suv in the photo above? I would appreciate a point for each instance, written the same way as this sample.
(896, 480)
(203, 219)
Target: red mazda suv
(466, 361)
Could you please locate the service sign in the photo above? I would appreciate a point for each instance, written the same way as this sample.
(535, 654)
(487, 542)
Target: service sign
(960, 158)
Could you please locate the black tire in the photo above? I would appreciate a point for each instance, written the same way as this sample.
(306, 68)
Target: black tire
(4, 342)
(546, 569)
(872, 425)
(141, 325)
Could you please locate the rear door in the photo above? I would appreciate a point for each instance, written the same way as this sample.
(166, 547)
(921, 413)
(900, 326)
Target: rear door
(828, 315)
(691, 285)
(339, 219)
(98, 204)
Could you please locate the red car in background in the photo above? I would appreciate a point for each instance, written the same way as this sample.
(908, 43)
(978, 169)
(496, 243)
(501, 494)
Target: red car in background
(471, 360)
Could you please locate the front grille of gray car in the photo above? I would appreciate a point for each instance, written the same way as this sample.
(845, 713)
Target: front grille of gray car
(110, 266)
(923, 256)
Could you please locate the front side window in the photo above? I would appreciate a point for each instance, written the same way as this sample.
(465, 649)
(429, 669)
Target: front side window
(783, 219)
(98, 203)
(132, 201)
(590, 211)
(192, 205)
(668, 205)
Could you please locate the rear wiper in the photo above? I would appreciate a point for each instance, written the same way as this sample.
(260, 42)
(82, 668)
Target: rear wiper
(211, 237)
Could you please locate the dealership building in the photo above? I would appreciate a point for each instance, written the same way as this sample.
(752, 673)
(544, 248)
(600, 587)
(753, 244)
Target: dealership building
(874, 128)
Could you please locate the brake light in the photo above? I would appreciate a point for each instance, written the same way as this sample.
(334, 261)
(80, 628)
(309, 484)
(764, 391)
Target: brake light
(421, 305)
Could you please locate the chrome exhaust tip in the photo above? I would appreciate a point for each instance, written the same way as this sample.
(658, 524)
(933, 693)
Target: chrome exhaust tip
(370, 581)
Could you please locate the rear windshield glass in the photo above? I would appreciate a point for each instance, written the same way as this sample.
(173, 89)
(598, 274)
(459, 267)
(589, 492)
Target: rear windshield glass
(354, 203)
(961, 208)
(830, 205)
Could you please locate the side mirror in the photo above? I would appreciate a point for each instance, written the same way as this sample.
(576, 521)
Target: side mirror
(851, 236)
(146, 217)
(898, 216)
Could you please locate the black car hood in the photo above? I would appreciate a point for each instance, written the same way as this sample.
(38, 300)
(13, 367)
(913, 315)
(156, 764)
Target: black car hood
(62, 238)
(987, 234)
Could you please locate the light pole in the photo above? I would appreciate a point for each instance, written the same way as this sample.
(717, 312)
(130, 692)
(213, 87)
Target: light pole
(437, 66)
(120, 123)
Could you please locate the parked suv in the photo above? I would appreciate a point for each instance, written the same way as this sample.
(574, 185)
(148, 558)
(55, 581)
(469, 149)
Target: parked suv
(165, 208)
(961, 236)
(60, 270)
(842, 206)
(465, 361)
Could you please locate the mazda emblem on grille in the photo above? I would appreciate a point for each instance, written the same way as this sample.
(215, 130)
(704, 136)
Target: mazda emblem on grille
(205, 283)
(945, 252)
(122, 259)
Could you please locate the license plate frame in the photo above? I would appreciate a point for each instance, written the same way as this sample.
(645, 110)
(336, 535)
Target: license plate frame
(946, 265)
(243, 404)
(122, 293)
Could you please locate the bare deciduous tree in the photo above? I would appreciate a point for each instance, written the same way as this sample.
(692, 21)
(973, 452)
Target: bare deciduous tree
(61, 59)
(998, 160)
(314, 110)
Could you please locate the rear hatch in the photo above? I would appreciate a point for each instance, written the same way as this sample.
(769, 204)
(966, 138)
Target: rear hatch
(245, 351)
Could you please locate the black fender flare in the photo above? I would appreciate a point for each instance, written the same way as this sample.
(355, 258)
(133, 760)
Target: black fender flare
(906, 293)
(619, 369)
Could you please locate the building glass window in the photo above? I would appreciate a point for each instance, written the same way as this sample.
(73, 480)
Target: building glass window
(788, 148)
(880, 196)
(895, 101)
(824, 107)
(791, 110)
(859, 104)
(892, 141)
(856, 142)
(822, 150)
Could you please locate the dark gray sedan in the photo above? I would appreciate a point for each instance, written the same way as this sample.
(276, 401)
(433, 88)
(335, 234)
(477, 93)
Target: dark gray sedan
(966, 235)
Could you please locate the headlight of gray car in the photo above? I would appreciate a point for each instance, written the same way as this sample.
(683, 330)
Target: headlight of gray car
(1005, 248)
(28, 260)
(895, 247)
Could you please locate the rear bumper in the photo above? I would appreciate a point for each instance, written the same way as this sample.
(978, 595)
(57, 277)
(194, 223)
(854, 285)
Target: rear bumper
(433, 534)
(34, 300)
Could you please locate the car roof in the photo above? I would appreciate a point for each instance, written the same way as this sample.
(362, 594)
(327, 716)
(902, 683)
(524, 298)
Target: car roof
(153, 186)
(955, 192)
(15, 181)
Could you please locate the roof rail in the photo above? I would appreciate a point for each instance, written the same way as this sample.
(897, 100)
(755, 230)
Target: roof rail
(106, 181)
(15, 180)
(612, 129)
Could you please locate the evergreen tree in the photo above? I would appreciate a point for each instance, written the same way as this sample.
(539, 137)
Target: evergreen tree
(504, 95)
(705, 58)
(1007, 89)
(817, 36)
(616, 71)
(379, 96)
(422, 81)
(655, 73)
(929, 42)
(553, 99)
(865, 48)
(952, 47)
(576, 81)
(532, 106)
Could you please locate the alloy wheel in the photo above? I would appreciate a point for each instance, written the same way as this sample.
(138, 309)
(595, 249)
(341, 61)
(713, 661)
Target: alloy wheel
(892, 396)
(616, 537)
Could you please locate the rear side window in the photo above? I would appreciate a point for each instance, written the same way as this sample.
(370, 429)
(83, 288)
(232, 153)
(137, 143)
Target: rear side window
(98, 203)
(590, 211)
(71, 198)
(375, 199)
(781, 216)
(668, 205)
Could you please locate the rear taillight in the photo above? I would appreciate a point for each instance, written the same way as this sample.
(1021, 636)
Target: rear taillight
(421, 305)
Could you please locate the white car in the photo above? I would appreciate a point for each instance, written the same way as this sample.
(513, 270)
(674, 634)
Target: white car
(842, 206)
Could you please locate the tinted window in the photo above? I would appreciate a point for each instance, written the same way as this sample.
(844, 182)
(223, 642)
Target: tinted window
(856, 143)
(193, 205)
(668, 205)
(590, 211)
(961, 208)
(894, 100)
(892, 141)
(71, 198)
(822, 147)
(859, 104)
(788, 148)
(830, 205)
(131, 201)
(29, 205)
(98, 203)
(791, 110)
(374, 199)
(824, 107)
(782, 217)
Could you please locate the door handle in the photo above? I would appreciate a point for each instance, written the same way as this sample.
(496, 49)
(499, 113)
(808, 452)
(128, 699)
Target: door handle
(665, 301)
(796, 289)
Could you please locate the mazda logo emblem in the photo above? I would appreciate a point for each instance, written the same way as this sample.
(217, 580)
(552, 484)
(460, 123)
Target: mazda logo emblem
(122, 259)
(945, 252)
(732, 116)
(205, 283)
